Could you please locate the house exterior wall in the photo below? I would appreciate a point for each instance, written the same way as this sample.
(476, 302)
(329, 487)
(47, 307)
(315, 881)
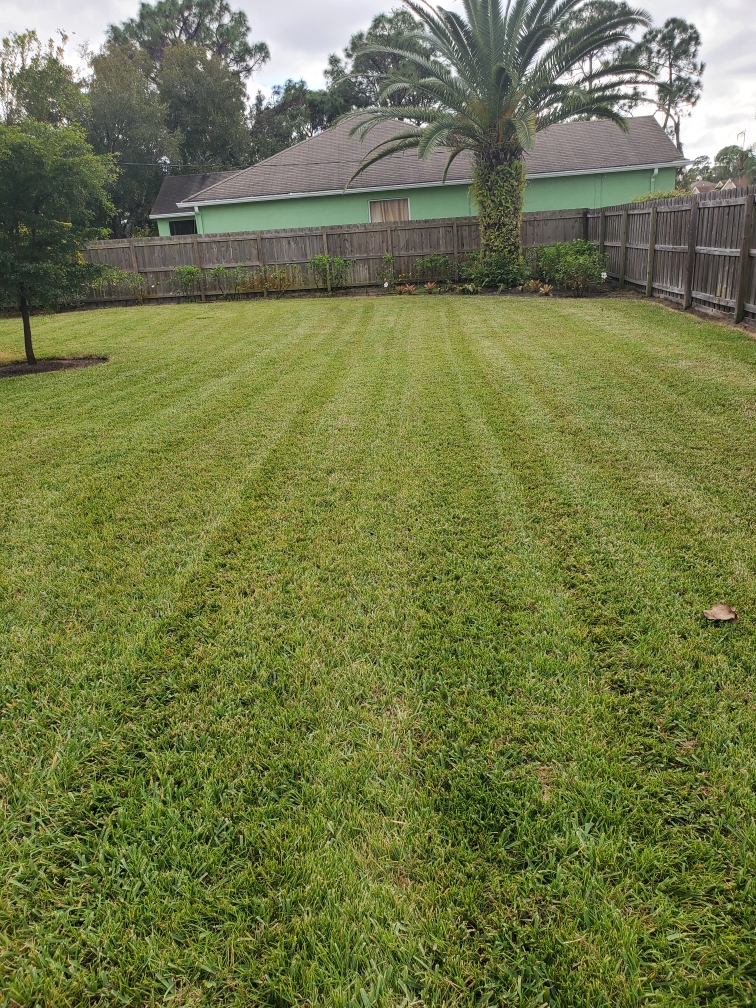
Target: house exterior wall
(452, 200)
(593, 191)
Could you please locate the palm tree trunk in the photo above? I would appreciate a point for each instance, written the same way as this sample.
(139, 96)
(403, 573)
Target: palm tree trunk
(499, 191)
(29, 349)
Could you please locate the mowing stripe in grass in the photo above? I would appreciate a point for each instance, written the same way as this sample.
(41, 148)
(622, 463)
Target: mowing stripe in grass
(379, 676)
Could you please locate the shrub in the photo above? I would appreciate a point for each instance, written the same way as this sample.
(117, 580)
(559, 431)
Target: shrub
(185, 279)
(669, 194)
(114, 282)
(229, 279)
(493, 270)
(329, 272)
(576, 266)
(388, 274)
(434, 267)
(274, 279)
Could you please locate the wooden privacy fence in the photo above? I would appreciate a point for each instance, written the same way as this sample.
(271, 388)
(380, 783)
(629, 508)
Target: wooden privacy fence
(697, 250)
(365, 245)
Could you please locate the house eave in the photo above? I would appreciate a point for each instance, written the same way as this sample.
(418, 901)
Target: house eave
(326, 192)
(604, 171)
(166, 216)
(421, 185)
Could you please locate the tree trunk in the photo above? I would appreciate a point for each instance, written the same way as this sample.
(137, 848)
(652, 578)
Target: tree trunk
(499, 192)
(30, 358)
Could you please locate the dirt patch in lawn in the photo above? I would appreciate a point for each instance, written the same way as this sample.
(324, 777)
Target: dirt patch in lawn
(53, 364)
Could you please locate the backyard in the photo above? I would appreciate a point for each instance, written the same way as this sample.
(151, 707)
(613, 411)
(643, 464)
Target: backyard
(353, 654)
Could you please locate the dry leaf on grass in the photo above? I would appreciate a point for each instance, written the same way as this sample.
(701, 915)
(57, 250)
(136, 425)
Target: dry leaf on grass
(721, 611)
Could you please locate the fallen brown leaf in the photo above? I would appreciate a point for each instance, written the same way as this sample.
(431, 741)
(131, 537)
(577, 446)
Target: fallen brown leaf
(721, 611)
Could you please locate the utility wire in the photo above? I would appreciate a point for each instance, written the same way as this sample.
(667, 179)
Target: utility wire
(260, 164)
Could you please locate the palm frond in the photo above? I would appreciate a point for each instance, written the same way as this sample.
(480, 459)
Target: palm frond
(499, 73)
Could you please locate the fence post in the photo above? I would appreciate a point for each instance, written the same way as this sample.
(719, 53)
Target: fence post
(198, 264)
(602, 231)
(135, 267)
(744, 266)
(623, 246)
(691, 264)
(134, 260)
(456, 252)
(585, 225)
(651, 253)
(327, 265)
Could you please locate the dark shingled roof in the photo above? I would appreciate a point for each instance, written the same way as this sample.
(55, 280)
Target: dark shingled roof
(179, 187)
(325, 163)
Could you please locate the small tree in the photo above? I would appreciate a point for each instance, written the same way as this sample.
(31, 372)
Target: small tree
(52, 190)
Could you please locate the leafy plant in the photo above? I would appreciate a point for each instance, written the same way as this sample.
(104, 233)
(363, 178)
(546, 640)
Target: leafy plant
(185, 280)
(119, 283)
(405, 288)
(534, 286)
(275, 279)
(493, 270)
(430, 287)
(669, 194)
(576, 266)
(433, 267)
(229, 279)
(388, 274)
(330, 272)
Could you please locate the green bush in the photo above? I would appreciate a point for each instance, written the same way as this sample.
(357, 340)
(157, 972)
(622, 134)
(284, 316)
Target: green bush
(229, 279)
(185, 279)
(575, 266)
(115, 283)
(276, 279)
(329, 272)
(669, 194)
(493, 270)
(388, 272)
(434, 267)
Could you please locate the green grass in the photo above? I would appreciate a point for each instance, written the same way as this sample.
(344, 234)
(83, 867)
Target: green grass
(352, 654)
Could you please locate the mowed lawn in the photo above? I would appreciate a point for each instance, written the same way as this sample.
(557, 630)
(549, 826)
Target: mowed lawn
(352, 654)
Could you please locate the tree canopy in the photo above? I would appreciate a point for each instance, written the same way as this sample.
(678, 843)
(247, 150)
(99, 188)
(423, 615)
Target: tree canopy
(208, 24)
(357, 76)
(128, 120)
(670, 54)
(205, 105)
(53, 190)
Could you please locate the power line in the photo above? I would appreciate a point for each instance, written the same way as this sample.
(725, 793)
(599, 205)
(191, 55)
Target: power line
(260, 164)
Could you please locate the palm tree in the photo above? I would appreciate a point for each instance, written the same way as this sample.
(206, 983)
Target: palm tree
(496, 78)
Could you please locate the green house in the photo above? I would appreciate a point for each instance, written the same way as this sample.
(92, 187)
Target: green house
(576, 164)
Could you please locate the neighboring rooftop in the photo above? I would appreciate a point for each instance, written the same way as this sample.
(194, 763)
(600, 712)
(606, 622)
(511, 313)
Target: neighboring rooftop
(179, 187)
(325, 163)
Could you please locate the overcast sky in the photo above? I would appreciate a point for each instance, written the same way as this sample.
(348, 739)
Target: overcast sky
(301, 33)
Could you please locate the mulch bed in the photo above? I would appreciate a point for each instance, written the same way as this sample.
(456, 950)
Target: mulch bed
(53, 364)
